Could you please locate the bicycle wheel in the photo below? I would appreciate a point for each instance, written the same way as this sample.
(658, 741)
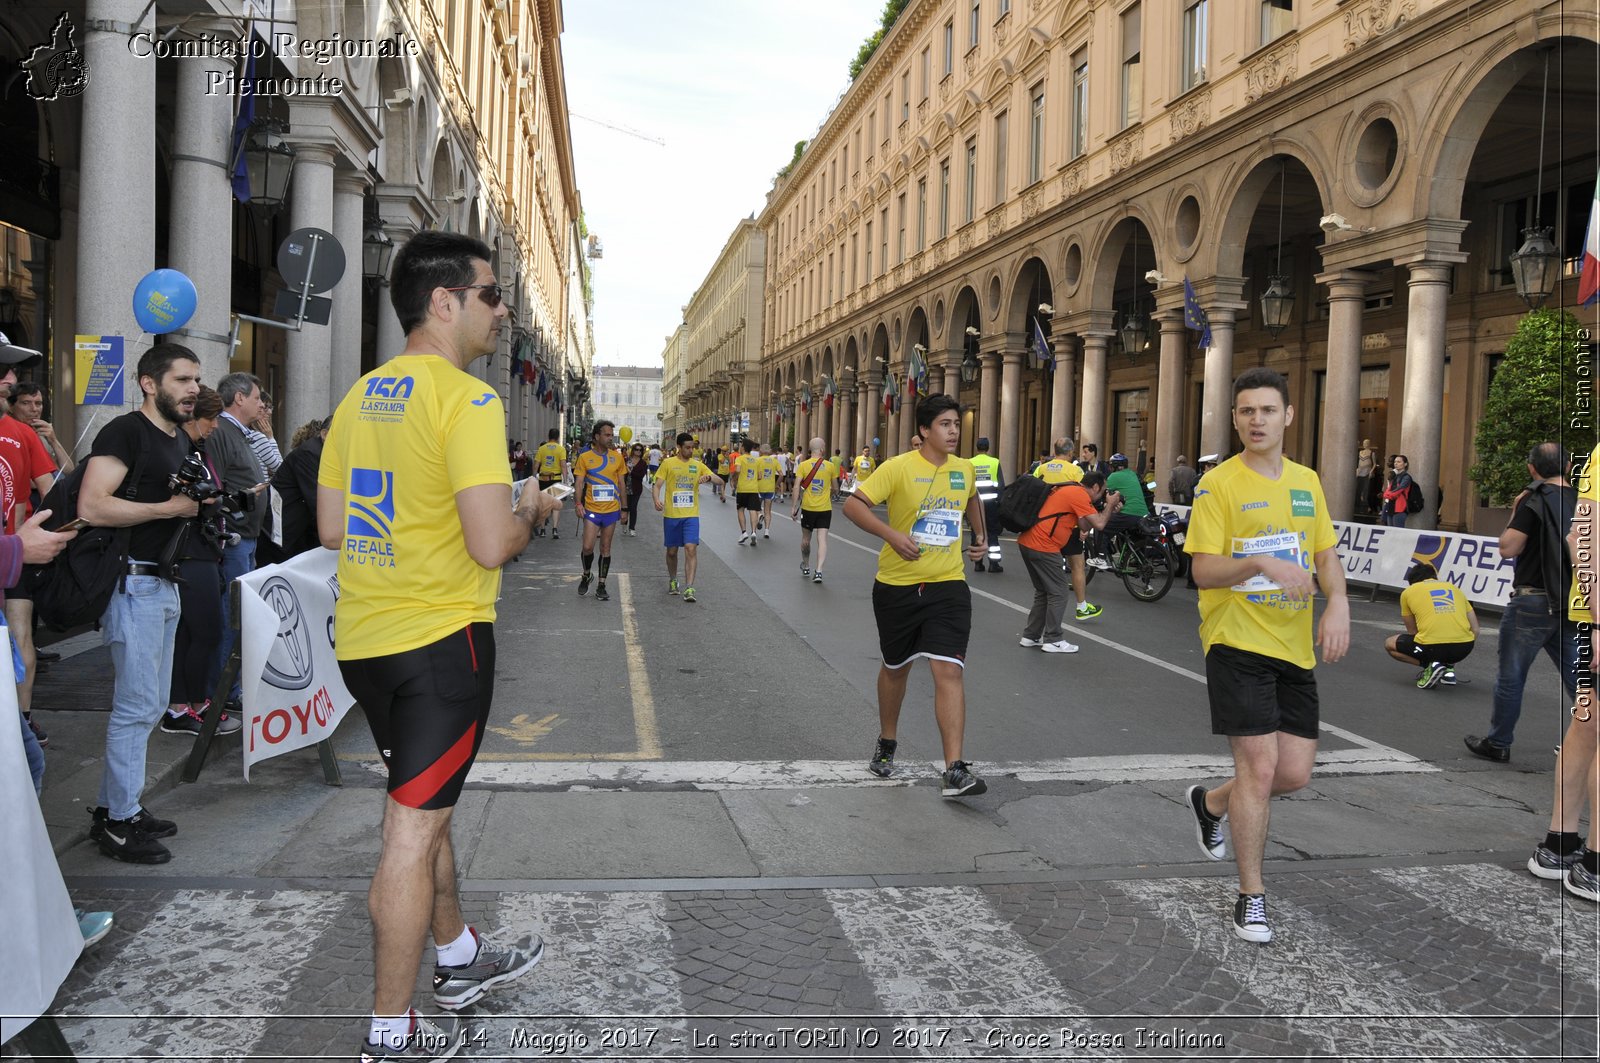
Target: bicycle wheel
(1147, 572)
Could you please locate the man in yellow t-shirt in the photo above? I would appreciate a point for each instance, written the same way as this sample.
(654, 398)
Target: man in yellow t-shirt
(597, 482)
(861, 467)
(550, 466)
(679, 478)
(1259, 525)
(724, 470)
(920, 599)
(747, 491)
(766, 487)
(813, 507)
(414, 492)
(1441, 627)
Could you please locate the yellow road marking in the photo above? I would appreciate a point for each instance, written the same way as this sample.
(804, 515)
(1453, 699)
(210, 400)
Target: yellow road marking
(530, 731)
(644, 703)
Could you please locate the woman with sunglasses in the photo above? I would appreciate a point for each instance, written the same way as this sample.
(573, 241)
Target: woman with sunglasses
(637, 470)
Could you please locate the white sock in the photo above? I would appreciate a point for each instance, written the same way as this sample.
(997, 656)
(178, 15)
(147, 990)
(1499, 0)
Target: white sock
(459, 952)
(392, 1032)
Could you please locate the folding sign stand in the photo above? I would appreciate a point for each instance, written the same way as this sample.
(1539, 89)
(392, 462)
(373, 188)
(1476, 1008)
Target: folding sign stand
(230, 672)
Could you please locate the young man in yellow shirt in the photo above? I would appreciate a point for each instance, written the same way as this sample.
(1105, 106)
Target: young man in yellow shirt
(920, 598)
(1260, 524)
(767, 486)
(813, 507)
(550, 466)
(1441, 627)
(747, 491)
(597, 484)
(680, 477)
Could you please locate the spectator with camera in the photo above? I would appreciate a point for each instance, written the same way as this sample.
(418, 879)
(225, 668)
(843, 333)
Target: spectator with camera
(243, 477)
(127, 485)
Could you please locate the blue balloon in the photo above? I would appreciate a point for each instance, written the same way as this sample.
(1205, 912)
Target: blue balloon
(874, 440)
(163, 301)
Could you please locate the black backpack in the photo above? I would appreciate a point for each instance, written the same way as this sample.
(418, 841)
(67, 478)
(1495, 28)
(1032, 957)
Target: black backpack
(1020, 502)
(1413, 498)
(76, 587)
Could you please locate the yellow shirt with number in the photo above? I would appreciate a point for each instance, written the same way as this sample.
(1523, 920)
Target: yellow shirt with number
(1441, 610)
(603, 485)
(1060, 471)
(1240, 513)
(863, 466)
(767, 478)
(927, 503)
(680, 483)
(405, 440)
(548, 461)
(816, 496)
(1587, 481)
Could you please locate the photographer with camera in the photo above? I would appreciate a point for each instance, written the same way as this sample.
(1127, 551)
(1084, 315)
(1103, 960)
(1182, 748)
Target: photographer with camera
(126, 486)
(242, 475)
(195, 555)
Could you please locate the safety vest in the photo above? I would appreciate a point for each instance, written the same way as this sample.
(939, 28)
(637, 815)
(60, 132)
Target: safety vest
(986, 467)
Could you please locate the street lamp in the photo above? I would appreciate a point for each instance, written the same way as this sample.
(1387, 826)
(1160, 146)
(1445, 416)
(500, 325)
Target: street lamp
(1135, 332)
(1278, 300)
(1534, 265)
(268, 162)
(376, 251)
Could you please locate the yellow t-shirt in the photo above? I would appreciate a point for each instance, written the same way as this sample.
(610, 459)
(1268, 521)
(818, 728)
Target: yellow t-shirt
(603, 485)
(767, 481)
(1441, 611)
(405, 440)
(724, 466)
(1060, 471)
(680, 486)
(928, 504)
(1587, 481)
(863, 466)
(749, 474)
(818, 494)
(548, 461)
(1238, 513)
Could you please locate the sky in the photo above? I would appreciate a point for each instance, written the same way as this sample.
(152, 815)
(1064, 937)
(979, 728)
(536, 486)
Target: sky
(730, 85)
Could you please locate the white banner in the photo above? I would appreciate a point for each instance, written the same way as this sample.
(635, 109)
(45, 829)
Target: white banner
(294, 695)
(1374, 553)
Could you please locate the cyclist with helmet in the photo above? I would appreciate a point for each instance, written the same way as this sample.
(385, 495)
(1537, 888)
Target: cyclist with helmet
(1123, 481)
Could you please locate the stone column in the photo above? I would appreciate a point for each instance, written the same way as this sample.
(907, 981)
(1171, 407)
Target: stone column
(871, 405)
(989, 399)
(116, 196)
(1341, 393)
(308, 352)
(1216, 403)
(1010, 403)
(1422, 409)
(1092, 422)
(847, 419)
(202, 207)
(344, 325)
(1169, 398)
(391, 337)
(892, 442)
(1062, 381)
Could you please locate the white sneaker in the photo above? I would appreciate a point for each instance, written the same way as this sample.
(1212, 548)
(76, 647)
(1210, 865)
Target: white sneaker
(1030, 643)
(1098, 562)
(1059, 647)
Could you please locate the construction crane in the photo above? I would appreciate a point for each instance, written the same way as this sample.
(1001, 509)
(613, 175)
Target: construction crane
(620, 129)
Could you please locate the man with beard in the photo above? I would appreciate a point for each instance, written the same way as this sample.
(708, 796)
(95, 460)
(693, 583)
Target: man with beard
(125, 486)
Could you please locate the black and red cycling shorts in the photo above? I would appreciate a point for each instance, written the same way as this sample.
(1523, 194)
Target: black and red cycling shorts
(427, 709)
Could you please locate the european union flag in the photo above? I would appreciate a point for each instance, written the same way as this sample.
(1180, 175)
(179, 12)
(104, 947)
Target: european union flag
(1041, 349)
(1193, 316)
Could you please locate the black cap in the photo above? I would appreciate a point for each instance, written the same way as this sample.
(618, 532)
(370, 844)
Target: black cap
(11, 354)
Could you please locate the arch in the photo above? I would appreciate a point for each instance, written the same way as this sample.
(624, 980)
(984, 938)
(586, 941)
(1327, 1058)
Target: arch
(439, 184)
(852, 354)
(880, 350)
(396, 161)
(1030, 286)
(965, 313)
(1112, 286)
(1251, 180)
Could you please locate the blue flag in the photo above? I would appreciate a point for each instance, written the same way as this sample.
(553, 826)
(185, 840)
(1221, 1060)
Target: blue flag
(1193, 316)
(241, 123)
(1041, 348)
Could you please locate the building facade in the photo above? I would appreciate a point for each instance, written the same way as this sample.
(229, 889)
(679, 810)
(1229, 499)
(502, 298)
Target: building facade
(722, 325)
(1006, 175)
(673, 419)
(629, 395)
(388, 117)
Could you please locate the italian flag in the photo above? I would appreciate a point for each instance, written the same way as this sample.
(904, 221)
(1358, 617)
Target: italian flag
(1589, 279)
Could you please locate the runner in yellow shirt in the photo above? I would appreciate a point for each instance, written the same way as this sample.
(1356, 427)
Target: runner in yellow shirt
(766, 487)
(1441, 627)
(679, 479)
(747, 491)
(724, 470)
(813, 507)
(598, 486)
(550, 466)
(920, 599)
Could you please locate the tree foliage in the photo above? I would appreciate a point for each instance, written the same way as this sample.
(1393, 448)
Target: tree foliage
(1543, 390)
(799, 150)
(891, 11)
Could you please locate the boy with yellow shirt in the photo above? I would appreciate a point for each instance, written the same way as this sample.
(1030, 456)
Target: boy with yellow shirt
(1441, 627)
(680, 477)
(550, 466)
(813, 506)
(920, 599)
(767, 486)
(1259, 525)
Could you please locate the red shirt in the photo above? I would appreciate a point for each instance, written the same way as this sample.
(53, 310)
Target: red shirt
(22, 459)
(1058, 519)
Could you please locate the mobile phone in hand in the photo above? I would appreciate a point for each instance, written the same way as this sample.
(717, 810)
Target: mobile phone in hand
(75, 525)
(558, 491)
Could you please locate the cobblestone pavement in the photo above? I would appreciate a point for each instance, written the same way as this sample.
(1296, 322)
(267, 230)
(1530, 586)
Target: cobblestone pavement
(1477, 961)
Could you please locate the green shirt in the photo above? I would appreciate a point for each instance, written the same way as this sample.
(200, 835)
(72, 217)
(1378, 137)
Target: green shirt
(1127, 481)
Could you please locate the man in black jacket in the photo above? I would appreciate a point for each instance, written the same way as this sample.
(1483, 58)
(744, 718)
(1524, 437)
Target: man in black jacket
(1535, 617)
(296, 484)
(230, 450)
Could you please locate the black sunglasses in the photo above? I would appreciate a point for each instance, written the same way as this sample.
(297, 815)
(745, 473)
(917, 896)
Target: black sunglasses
(489, 293)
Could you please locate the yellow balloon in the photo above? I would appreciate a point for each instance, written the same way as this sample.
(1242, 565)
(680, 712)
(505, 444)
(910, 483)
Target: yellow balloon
(625, 434)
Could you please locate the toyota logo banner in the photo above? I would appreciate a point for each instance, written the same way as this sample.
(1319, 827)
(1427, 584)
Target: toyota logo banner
(294, 695)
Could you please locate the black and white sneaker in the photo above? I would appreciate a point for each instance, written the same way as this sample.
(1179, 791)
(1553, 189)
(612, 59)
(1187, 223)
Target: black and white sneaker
(600, 594)
(124, 839)
(882, 762)
(156, 828)
(805, 573)
(816, 577)
(1581, 882)
(960, 782)
(1250, 918)
(583, 584)
(456, 987)
(1208, 828)
(1547, 863)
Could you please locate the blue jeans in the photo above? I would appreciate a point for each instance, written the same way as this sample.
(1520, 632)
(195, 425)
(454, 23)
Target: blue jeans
(236, 561)
(139, 626)
(30, 746)
(1526, 628)
(1395, 520)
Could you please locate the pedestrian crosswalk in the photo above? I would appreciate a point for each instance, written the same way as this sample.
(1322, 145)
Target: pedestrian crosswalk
(1444, 962)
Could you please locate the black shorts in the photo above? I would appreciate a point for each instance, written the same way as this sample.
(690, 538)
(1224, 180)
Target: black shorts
(1253, 694)
(932, 620)
(1074, 547)
(1444, 652)
(546, 481)
(427, 708)
(750, 500)
(810, 519)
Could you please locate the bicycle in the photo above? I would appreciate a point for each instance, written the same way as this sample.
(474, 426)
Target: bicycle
(1144, 561)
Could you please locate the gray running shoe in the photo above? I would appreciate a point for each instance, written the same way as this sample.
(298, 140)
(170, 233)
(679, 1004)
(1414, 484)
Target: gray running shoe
(428, 1041)
(456, 987)
(1547, 863)
(1581, 882)
(882, 762)
(959, 781)
(1208, 828)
